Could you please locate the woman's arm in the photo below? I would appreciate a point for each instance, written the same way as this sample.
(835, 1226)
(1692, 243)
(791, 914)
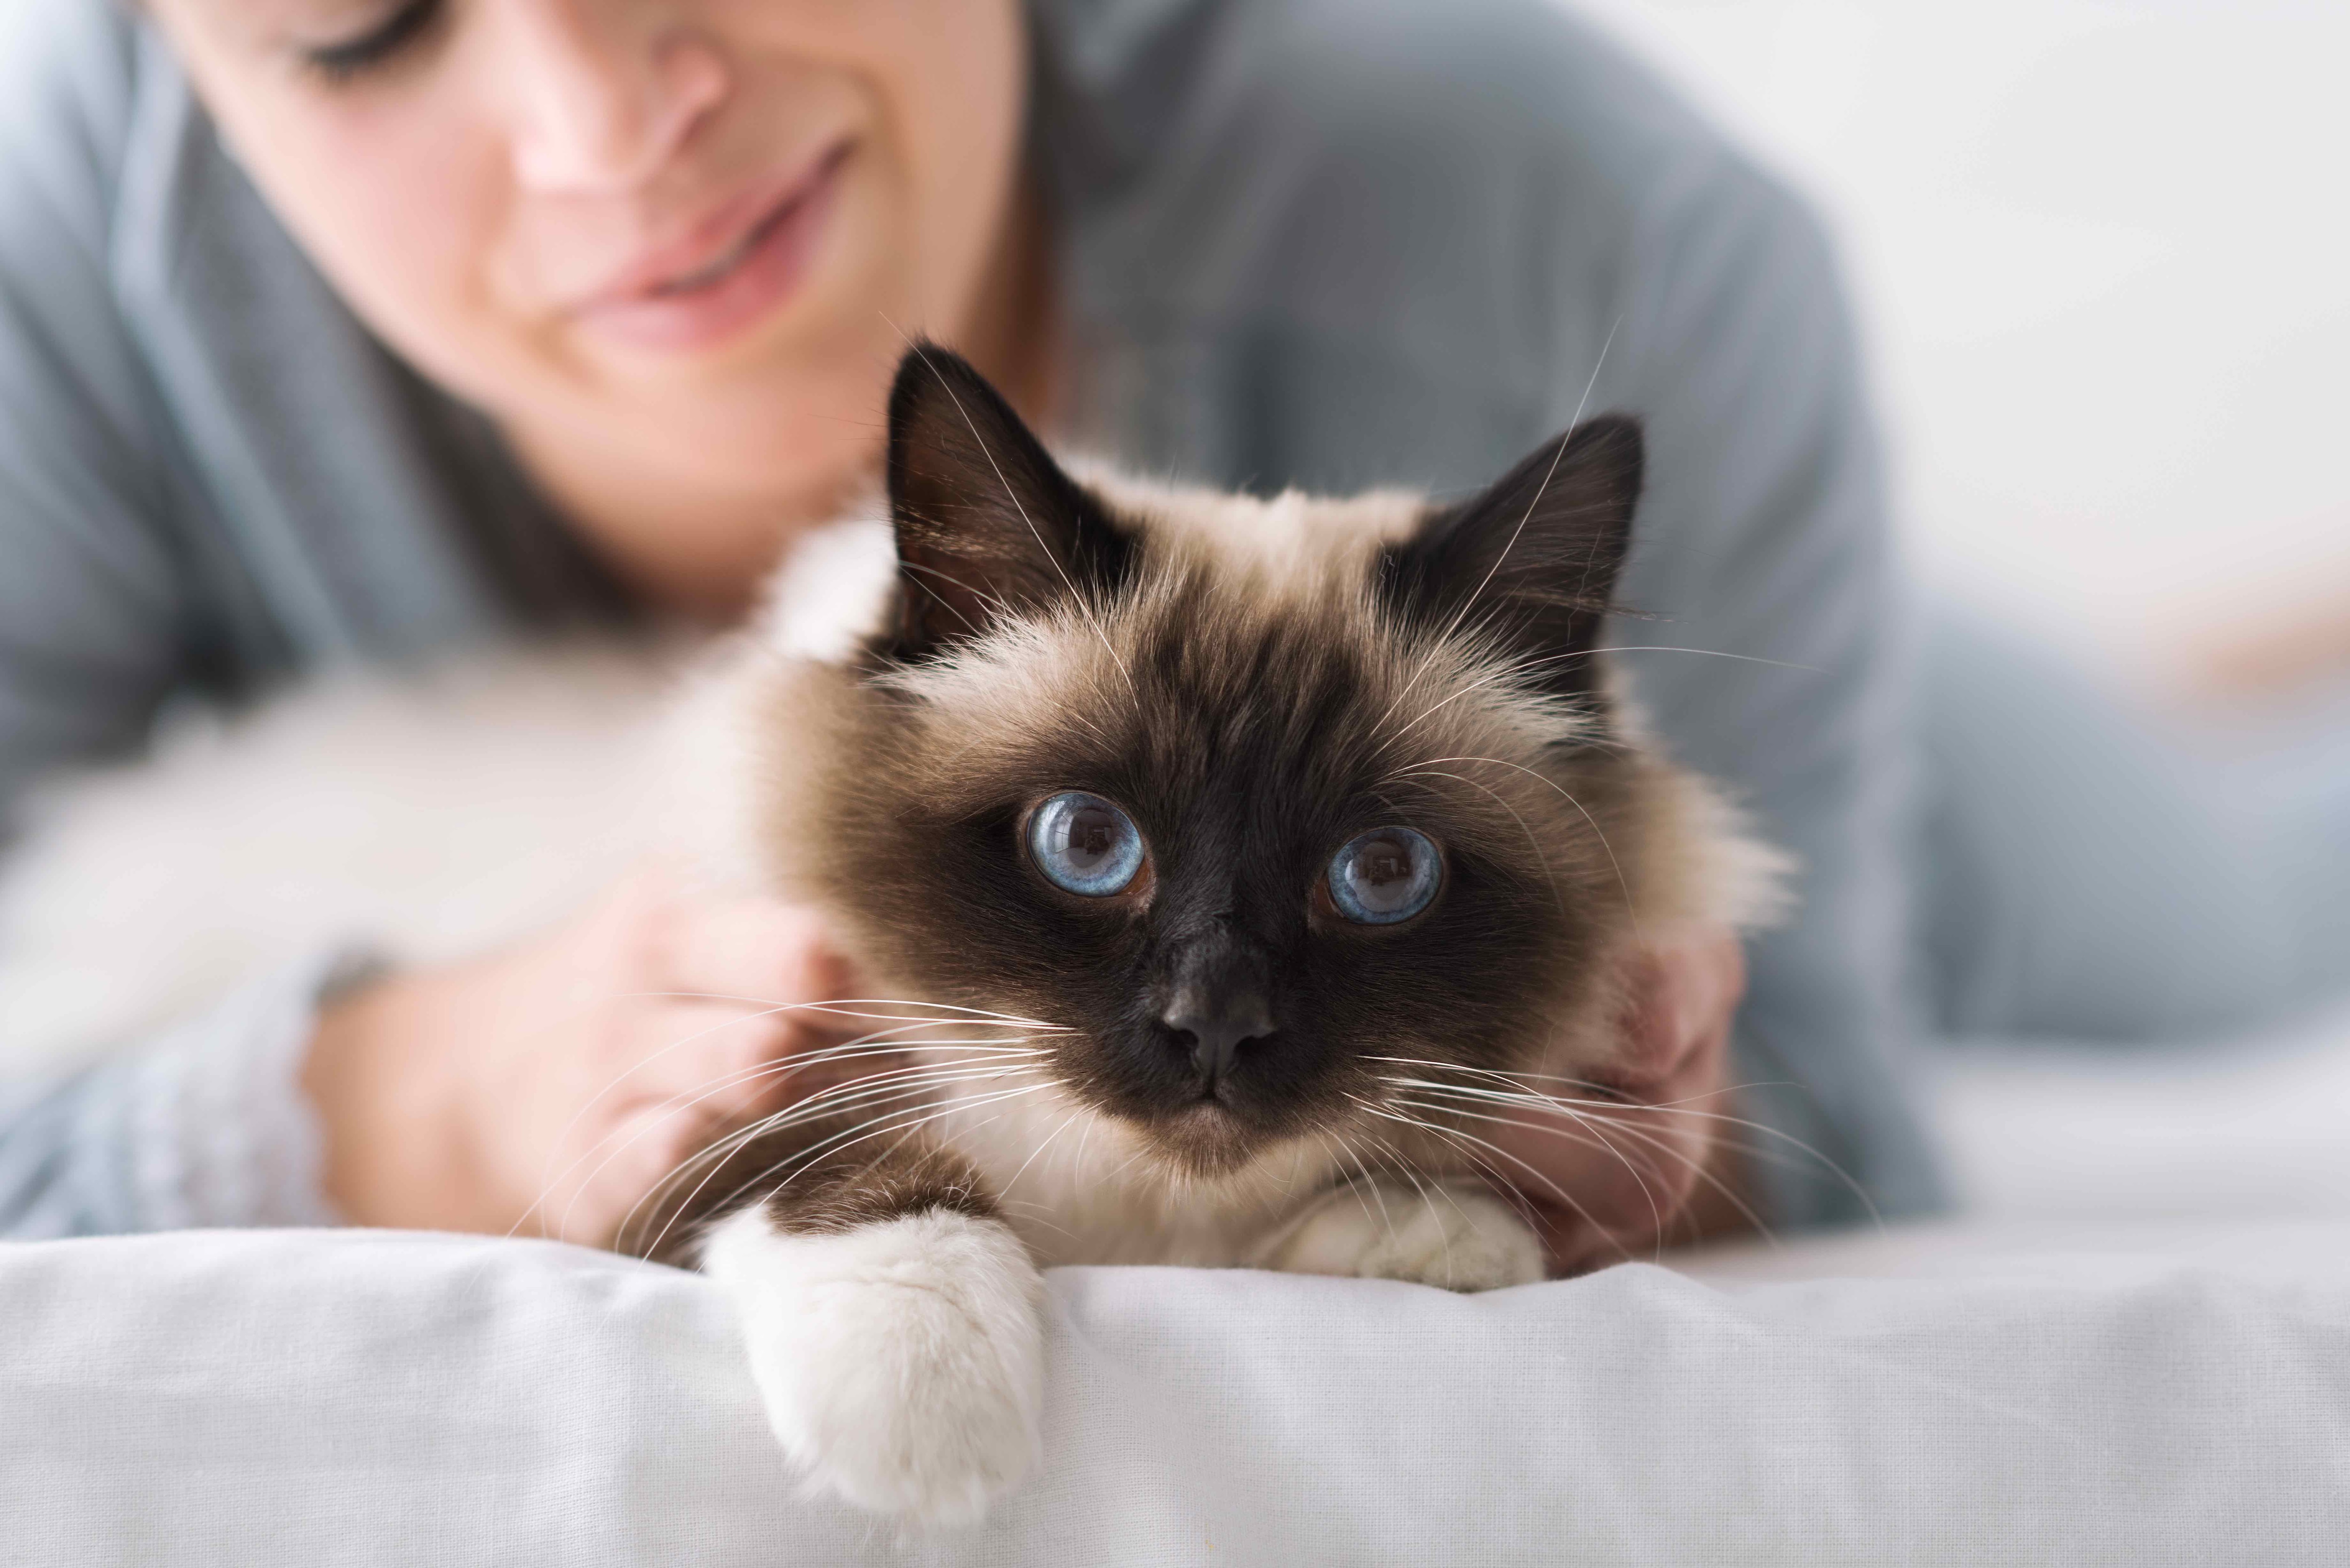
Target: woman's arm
(202, 1125)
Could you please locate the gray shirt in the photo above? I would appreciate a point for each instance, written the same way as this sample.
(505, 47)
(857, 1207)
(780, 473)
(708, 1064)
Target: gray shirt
(1321, 243)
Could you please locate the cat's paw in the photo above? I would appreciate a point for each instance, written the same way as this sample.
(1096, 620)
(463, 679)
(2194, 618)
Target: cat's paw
(902, 1361)
(1454, 1235)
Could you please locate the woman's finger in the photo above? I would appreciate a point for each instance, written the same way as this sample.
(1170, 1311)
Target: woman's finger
(1681, 993)
(754, 949)
(1607, 1175)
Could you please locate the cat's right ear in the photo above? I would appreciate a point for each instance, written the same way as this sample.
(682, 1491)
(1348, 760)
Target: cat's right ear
(987, 522)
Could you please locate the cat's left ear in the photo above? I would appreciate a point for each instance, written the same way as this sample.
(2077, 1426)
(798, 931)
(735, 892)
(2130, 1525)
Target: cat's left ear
(1533, 559)
(987, 522)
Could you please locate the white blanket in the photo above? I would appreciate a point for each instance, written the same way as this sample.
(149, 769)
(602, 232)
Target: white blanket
(2081, 1375)
(300, 1398)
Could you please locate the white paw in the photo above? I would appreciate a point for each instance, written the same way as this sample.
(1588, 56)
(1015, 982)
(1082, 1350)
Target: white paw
(1455, 1235)
(902, 1362)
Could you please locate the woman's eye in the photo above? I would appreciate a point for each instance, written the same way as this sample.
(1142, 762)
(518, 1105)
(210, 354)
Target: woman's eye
(1084, 845)
(1387, 875)
(376, 47)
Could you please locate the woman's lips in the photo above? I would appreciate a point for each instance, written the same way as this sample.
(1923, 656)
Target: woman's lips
(672, 304)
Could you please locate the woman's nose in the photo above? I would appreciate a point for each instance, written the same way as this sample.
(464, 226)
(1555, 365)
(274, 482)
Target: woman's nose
(606, 91)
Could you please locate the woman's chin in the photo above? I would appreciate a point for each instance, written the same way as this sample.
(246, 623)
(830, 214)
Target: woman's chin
(763, 417)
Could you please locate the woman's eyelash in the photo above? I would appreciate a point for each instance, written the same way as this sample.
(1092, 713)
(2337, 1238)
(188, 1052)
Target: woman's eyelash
(377, 46)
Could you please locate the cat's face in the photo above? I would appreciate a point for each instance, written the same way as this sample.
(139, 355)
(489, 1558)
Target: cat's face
(1261, 803)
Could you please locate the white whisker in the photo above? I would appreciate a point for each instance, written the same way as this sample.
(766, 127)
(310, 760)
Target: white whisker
(1565, 1198)
(877, 1087)
(809, 1157)
(686, 1099)
(1791, 1149)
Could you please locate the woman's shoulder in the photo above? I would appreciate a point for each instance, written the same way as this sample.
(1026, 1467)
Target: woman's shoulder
(90, 596)
(1340, 162)
(1336, 242)
(70, 98)
(1511, 69)
(70, 101)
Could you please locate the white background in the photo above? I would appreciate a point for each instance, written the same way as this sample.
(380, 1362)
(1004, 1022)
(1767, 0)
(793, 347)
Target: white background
(2101, 250)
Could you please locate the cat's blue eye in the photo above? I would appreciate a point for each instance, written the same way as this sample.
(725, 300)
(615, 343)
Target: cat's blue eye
(1084, 845)
(1387, 875)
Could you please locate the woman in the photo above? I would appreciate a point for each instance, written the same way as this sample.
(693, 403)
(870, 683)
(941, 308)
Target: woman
(336, 330)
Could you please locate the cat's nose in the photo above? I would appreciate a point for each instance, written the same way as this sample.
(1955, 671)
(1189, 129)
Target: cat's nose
(1217, 1024)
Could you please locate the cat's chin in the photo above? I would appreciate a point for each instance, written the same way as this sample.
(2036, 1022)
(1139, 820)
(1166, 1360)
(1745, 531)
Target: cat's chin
(1206, 1141)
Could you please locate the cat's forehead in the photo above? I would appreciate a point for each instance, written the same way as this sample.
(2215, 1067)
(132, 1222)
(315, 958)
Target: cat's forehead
(1271, 543)
(834, 593)
(1250, 644)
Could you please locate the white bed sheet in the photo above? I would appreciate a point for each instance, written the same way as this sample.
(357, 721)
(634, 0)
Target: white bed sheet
(263, 1398)
(2137, 1352)
(2255, 1126)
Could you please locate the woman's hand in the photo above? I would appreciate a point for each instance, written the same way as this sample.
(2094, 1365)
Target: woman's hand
(1611, 1180)
(549, 1087)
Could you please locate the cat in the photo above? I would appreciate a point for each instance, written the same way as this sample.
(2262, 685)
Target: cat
(1226, 860)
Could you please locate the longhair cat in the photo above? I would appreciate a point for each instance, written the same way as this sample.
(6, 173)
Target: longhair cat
(1225, 863)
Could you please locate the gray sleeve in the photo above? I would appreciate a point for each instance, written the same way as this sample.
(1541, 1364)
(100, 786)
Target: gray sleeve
(205, 1126)
(1763, 542)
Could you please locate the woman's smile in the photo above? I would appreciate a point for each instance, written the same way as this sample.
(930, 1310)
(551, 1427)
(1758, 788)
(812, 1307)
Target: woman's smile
(731, 271)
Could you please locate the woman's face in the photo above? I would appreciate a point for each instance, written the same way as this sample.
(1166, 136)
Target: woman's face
(676, 237)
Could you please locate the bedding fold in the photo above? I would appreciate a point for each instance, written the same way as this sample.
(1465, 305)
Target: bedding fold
(266, 1397)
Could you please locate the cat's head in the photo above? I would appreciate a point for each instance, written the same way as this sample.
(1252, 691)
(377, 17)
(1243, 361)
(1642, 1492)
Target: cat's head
(1265, 805)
